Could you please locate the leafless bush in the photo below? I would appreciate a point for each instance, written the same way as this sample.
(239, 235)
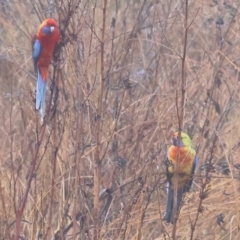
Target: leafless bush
(93, 169)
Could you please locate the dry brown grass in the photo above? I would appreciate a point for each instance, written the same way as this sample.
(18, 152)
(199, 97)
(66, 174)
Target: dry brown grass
(114, 119)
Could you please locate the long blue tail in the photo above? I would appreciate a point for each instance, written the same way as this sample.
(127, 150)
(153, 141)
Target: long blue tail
(41, 93)
(169, 215)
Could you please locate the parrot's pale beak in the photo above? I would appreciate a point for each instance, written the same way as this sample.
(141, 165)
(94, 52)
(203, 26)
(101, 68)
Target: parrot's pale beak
(51, 29)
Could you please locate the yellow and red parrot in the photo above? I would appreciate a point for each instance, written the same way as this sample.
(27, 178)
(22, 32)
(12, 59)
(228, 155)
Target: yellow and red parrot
(184, 154)
(44, 43)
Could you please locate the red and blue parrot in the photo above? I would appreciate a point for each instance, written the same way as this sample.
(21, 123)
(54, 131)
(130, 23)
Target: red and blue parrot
(183, 153)
(44, 43)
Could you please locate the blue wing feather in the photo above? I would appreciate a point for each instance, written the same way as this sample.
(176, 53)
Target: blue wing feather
(195, 163)
(36, 50)
(36, 53)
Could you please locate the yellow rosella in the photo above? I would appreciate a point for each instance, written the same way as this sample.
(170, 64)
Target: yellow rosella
(182, 153)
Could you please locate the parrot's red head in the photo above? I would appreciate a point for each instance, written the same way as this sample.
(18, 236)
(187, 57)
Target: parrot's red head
(44, 43)
(50, 22)
(48, 27)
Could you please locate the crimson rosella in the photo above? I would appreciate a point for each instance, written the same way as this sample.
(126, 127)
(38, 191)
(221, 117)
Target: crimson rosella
(183, 153)
(44, 43)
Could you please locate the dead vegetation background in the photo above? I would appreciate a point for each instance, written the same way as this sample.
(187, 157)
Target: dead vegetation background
(93, 169)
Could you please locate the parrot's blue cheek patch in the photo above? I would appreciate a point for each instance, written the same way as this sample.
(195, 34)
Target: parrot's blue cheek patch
(36, 49)
(46, 30)
(175, 142)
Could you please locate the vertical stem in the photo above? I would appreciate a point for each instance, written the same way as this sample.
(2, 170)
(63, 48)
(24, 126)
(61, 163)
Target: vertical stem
(180, 115)
(183, 66)
(54, 148)
(54, 159)
(78, 155)
(23, 200)
(97, 166)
